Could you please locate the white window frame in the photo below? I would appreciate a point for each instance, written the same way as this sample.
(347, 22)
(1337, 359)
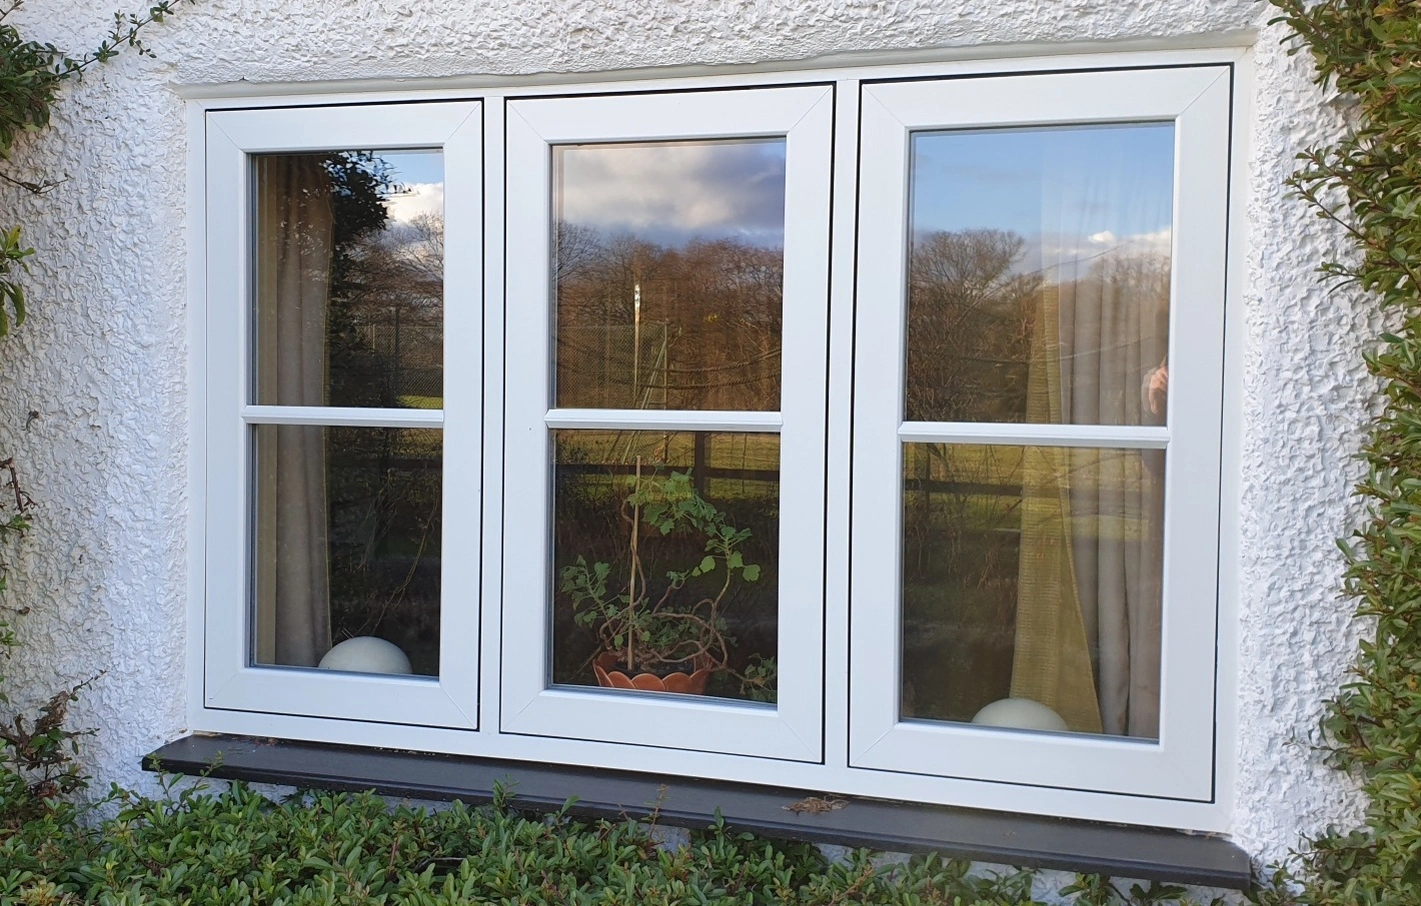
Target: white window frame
(1179, 765)
(792, 728)
(231, 679)
(275, 712)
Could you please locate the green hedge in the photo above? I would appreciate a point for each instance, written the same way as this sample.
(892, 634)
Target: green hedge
(238, 848)
(1370, 182)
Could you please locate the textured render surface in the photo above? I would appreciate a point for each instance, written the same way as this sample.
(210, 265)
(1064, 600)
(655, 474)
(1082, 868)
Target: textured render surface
(102, 365)
(1305, 397)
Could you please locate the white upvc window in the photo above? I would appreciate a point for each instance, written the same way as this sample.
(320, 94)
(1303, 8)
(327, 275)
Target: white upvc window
(627, 182)
(331, 516)
(558, 364)
(1039, 354)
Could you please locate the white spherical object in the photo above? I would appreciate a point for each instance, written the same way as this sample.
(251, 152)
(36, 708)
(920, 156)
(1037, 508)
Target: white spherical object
(1020, 714)
(366, 654)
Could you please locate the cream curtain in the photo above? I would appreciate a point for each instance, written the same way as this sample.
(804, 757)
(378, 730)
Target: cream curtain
(1052, 662)
(1088, 625)
(294, 242)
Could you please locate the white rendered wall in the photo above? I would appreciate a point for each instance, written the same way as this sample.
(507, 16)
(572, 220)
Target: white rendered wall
(103, 362)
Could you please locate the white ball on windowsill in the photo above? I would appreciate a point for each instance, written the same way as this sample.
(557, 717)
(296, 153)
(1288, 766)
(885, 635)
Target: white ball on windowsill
(366, 654)
(1020, 714)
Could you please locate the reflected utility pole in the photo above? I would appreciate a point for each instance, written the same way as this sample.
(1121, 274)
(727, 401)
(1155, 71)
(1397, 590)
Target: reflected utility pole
(636, 345)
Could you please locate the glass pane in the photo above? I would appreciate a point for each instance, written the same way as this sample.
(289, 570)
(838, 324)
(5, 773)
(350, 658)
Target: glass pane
(669, 271)
(1032, 587)
(350, 279)
(348, 526)
(665, 550)
(1038, 275)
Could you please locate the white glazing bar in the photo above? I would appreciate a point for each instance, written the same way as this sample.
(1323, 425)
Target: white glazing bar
(659, 419)
(343, 416)
(1147, 437)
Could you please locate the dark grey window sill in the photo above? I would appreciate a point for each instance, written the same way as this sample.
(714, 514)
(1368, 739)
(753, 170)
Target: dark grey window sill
(1025, 840)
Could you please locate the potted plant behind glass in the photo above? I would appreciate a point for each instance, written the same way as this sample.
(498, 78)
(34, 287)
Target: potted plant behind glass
(669, 635)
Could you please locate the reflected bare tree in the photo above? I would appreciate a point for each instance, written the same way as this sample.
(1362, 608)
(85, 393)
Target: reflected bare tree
(971, 314)
(690, 327)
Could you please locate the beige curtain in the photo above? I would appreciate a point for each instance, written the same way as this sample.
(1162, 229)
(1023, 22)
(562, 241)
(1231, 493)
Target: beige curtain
(294, 241)
(1088, 625)
(1116, 496)
(1052, 662)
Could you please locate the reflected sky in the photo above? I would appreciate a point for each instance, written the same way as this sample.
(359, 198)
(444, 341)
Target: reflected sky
(1041, 183)
(671, 192)
(419, 180)
(1071, 190)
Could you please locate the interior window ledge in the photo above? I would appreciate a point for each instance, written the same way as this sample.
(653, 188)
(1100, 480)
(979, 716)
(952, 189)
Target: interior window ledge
(1012, 839)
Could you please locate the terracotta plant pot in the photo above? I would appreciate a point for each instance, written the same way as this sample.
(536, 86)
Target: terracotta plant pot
(608, 676)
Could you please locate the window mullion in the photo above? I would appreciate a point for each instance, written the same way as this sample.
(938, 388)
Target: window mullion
(342, 416)
(671, 420)
(1136, 436)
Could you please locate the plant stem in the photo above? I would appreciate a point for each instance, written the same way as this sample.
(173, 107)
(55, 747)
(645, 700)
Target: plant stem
(635, 567)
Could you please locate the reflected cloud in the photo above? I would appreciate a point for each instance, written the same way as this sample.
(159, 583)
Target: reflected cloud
(1155, 242)
(411, 200)
(1076, 254)
(669, 193)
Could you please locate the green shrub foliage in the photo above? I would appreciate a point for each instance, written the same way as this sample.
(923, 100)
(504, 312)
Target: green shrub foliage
(237, 847)
(1371, 183)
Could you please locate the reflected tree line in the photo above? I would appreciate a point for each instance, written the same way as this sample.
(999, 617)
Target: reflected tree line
(643, 325)
(971, 317)
(985, 333)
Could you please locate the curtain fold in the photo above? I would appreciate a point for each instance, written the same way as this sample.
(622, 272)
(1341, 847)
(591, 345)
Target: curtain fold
(1088, 625)
(295, 244)
(1052, 658)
